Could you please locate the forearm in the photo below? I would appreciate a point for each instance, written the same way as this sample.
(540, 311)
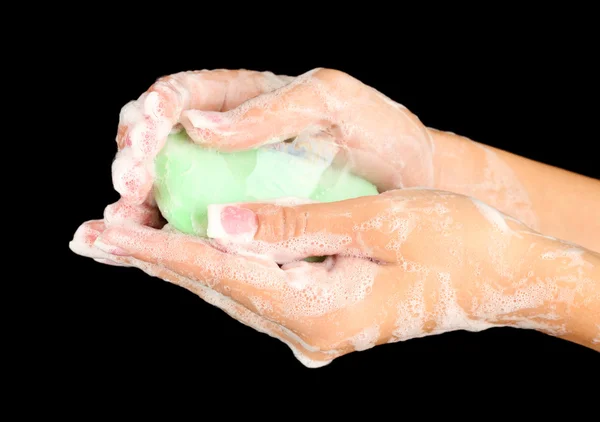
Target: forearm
(550, 200)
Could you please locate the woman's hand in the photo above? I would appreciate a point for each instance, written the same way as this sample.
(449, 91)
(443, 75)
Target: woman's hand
(236, 110)
(144, 125)
(403, 264)
(327, 111)
(380, 140)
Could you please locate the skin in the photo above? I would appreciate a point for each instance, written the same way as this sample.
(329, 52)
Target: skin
(411, 261)
(461, 167)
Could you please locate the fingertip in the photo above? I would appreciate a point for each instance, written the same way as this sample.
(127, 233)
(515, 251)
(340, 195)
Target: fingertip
(123, 212)
(132, 240)
(132, 182)
(127, 234)
(84, 238)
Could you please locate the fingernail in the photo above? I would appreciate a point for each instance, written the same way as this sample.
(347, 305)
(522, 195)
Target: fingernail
(231, 221)
(110, 249)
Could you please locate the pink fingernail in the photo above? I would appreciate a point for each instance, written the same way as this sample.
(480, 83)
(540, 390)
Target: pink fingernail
(110, 249)
(237, 220)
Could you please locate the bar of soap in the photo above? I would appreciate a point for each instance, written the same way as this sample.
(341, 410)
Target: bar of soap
(189, 177)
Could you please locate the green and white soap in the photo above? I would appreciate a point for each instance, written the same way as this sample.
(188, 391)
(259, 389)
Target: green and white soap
(189, 178)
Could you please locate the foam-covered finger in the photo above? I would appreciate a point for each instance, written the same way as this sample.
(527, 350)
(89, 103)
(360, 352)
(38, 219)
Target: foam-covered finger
(145, 123)
(361, 227)
(160, 108)
(217, 90)
(266, 119)
(194, 259)
(84, 238)
(124, 212)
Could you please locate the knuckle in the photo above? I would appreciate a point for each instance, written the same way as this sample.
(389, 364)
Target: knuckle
(292, 222)
(333, 76)
(337, 82)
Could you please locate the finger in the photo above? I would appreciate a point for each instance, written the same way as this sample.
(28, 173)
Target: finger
(361, 227)
(251, 317)
(269, 118)
(315, 105)
(144, 124)
(195, 259)
(216, 90)
(84, 238)
(146, 214)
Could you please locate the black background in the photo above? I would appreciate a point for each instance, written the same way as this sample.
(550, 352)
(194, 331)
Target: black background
(529, 94)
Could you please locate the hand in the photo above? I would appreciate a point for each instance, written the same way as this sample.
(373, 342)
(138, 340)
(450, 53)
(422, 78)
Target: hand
(235, 110)
(377, 138)
(144, 125)
(402, 264)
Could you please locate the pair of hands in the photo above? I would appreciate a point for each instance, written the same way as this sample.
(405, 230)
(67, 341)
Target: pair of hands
(403, 264)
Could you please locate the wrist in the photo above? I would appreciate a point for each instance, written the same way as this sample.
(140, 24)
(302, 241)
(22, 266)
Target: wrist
(464, 166)
(453, 161)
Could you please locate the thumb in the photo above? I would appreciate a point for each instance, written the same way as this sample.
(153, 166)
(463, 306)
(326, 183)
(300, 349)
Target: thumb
(355, 227)
(266, 119)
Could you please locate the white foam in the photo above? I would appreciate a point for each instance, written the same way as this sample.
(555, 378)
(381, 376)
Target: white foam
(574, 255)
(449, 314)
(366, 339)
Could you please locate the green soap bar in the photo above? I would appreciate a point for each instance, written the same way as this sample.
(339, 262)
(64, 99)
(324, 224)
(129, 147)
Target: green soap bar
(189, 178)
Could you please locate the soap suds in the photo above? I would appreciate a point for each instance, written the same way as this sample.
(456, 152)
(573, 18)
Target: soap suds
(574, 255)
(366, 339)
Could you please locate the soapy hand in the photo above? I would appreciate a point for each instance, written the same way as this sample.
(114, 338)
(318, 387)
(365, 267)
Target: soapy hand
(145, 123)
(402, 264)
(327, 111)
(379, 139)
(235, 110)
